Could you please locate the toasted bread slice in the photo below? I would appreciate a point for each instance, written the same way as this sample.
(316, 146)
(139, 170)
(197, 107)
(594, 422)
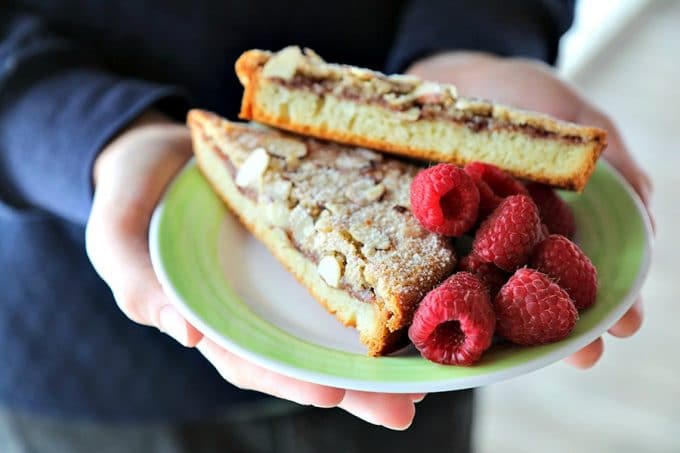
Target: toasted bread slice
(336, 216)
(404, 115)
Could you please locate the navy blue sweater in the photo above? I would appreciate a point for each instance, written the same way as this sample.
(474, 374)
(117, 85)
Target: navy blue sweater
(72, 74)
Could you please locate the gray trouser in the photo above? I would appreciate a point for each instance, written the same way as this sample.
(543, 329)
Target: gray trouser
(442, 424)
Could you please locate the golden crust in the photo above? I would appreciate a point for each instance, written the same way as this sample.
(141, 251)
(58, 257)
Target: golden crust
(381, 340)
(247, 66)
(592, 141)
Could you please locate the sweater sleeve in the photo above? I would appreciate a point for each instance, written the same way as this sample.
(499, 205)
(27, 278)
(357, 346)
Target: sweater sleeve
(529, 28)
(58, 109)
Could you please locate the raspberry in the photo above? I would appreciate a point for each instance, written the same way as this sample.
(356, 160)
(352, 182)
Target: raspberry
(508, 236)
(445, 200)
(488, 200)
(555, 213)
(531, 309)
(565, 262)
(493, 277)
(455, 322)
(501, 183)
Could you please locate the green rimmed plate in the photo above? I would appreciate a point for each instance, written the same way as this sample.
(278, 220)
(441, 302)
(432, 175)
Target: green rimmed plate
(233, 290)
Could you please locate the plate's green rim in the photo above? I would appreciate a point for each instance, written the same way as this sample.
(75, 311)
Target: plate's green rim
(190, 204)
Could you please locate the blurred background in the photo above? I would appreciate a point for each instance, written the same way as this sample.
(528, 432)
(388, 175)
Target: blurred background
(623, 56)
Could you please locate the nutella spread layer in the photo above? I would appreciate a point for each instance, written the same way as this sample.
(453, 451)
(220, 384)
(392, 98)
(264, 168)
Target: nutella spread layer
(405, 115)
(343, 210)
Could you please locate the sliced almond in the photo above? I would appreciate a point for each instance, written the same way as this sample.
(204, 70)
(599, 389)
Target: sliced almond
(364, 191)
(313, 57)
(324, 223)
(369, 154)
(277, 214)
(283, 64)
(361, 73)
(286, 148)
(278, 189)
(351, 161)
(398, 100)
(374, 193)
(301, 224)
(405, 78)
(330, 270)
(474, 106)
(338, 209)
(370, 237)
(253, 168)
(429, 92)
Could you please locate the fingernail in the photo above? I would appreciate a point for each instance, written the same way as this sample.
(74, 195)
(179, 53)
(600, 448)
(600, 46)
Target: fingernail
(419, 398)
(173, 324)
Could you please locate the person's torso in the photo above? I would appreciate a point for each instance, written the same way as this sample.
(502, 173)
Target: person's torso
(195, 43)
(67, 349)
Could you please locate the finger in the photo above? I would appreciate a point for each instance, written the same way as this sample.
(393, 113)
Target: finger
(626, 165)
(638, 179)
(588, 356)
(248, 376)
(172, 323)
(630, 322)
(418, 397)
(618, 155)
(394, 411)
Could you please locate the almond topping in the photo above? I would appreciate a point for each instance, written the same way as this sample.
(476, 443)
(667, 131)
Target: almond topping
(364, 191)
(252, 168)
(277, 214)
(286, 148)
(301, 223)
(330, 271)
(278, 189)
(284, 64)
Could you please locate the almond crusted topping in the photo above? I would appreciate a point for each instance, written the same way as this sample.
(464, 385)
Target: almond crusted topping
(277, 213)
(364, 191)
(283, 64)
(352, 162)
(368, 154)
(324, 223)
(435, 93)
(474, 106)
(277, 189)
(361, 73)
(286, 148)
(429, 92)
(350, 204)
(405, 78)
(338, 210)
(301, 223)
(253, 168)
(330, 270)
(370, 237)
